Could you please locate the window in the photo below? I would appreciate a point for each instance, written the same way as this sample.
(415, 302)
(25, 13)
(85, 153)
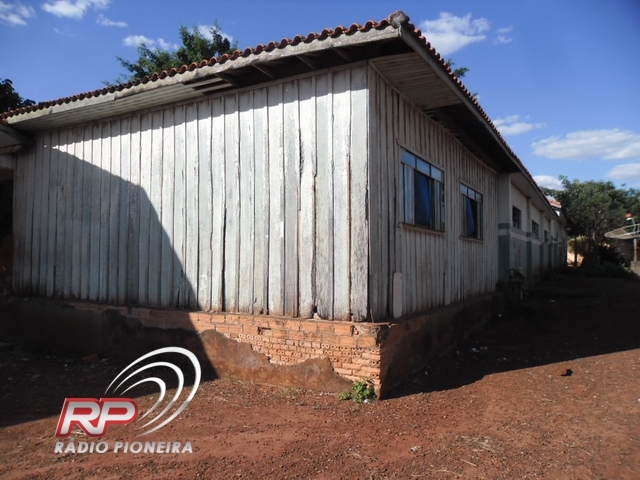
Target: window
(423, 192)
(546, 237)
(535, 229)
(516, 216)
(471, 212)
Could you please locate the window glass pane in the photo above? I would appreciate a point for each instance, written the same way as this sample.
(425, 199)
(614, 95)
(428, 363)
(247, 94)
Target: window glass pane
(408, 158)
(471, 217)
(516, 217)
(423, 166)
(436, 173)
(463, 189)
(423, 212)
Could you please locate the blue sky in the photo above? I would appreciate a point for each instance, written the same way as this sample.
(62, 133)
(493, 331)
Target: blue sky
(558, 78)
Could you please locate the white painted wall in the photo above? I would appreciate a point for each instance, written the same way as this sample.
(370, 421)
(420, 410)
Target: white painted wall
(250, 202)
(437, 267)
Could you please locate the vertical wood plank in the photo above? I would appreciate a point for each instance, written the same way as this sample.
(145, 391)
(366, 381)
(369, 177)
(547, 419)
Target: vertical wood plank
(191, 193)
(342, 215)
(374, 216)
(87, 188)
(276, 203)
(385, 179)
(65, 240)
(179, 220)
(324, 205)
(307, 229)
(232, 190)
(123, 218)
(41, 263)
(359, 186)
(247, 203)
(24, 256)
(262, 201)
(19, 201)
(155, 156)
(218, 169)
(52, 216)
(94, 160)
(167, 254)
(116, 181)
(291, 135)
(133, 230)
(104, 265)
(145, 207)
(76, 216)
(205, 209)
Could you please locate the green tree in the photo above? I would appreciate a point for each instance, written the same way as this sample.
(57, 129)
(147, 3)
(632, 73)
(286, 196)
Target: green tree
(594, 208)
(196, 46)
(459, 72)
(10, 99)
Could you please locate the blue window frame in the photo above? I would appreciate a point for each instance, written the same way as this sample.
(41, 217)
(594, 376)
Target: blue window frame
(423, 192)
(471, 212)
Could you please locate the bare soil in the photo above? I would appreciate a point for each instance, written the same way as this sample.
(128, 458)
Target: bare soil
(551, 389)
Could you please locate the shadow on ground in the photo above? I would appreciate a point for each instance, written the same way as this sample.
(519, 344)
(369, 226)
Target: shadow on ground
(562, 319)
(37, 379)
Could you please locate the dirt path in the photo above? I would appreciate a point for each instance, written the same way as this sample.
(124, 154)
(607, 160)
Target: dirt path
(550, 392)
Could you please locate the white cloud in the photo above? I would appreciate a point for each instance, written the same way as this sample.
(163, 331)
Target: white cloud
(135, 40)
(501, 35)
(102, 20)
(512, 125)
(65, 32)
(629, 173)
(614, 144)
(73, 8)
(164, 45)
(15, 14)
(450, 33)
(548, 181)
(205, 31)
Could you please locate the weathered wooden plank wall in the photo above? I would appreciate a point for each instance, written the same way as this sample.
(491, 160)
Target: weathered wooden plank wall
(250, 202)
(437, 267)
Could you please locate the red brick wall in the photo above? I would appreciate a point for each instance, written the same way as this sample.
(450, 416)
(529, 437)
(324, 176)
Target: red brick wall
(352, 348)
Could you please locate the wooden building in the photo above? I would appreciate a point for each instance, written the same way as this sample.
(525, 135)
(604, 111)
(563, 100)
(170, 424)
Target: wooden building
(345, 176)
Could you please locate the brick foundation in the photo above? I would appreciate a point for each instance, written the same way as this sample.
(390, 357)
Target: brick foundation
(352, 348)
(295, 352)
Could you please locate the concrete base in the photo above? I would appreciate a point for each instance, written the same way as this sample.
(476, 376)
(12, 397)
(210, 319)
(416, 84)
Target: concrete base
(635, 268)
(312, 353)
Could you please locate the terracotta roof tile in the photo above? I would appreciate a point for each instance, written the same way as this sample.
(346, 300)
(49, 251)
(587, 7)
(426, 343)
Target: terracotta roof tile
(285, 42)
(395, 18)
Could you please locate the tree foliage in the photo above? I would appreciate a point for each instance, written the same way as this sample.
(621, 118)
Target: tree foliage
(10, 99)
(197, 45)
(459, 72)
(594, 208)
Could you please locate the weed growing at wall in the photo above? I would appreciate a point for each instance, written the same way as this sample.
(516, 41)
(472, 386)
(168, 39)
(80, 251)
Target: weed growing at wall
(361, 392)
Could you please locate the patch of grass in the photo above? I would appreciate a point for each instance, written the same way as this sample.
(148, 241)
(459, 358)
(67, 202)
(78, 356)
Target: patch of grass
(360, 392)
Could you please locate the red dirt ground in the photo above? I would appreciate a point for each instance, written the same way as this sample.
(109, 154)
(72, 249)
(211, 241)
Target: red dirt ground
(501, 406)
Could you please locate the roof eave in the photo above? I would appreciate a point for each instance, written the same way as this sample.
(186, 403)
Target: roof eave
(12, 140)
(191, 84)
(509, 161)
